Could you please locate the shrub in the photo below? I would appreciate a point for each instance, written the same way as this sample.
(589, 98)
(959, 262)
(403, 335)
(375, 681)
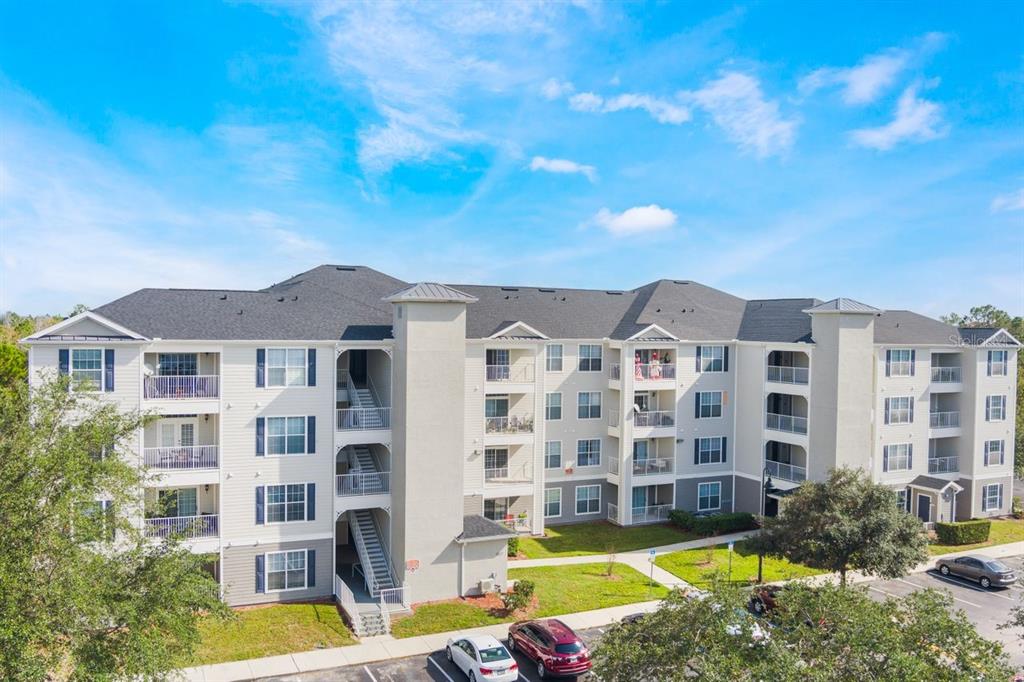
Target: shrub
(719, 524)
(513, 546)
(1017, 509)
(683, 519)
(963, 532)
(519, 597)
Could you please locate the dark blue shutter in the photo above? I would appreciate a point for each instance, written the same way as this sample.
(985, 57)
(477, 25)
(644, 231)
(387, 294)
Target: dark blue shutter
(260, 584)
(723, 449)
(311, 501)
(108, 369)
(988, 408)
(888, 360)
(696, 405)
(913, 361)
(886, 407)
(910, 456)
(698, 358)
(63, 361)
(311, 367)
(261, 437)
(725, 359)
(310, 435)
(261, 367)
(911, 410)
(310, 568)
(885, 458)
(259, 505)
(696, 450)
(989, 356)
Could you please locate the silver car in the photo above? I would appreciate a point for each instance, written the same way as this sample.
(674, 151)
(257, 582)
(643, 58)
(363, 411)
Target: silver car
(985, 570)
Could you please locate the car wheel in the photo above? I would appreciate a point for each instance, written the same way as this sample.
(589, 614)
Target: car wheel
(944, 570)
(985, 582)
(511, 643)
(542, 672)
(448, 653)
(472, 676)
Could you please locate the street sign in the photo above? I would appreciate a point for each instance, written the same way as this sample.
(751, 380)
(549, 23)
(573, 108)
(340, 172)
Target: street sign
(730, 545)
(650, 555)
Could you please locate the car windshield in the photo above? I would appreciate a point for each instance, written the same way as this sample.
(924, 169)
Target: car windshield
(997, 566)
(497, 653)
(572, 648)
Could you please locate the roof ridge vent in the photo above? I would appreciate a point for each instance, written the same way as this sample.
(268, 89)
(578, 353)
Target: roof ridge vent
(509, 289)
(345, 268)
(547, 291)
(614, 293)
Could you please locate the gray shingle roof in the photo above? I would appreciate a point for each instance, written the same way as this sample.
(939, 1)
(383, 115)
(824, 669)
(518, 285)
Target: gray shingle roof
(476, 527)
(903, 326)
(933, 483)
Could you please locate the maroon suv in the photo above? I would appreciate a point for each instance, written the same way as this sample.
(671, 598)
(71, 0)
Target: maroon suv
(552, 645)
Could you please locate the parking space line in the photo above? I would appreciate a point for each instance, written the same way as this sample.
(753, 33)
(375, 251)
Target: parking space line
(962, 582)
(440, 669)
(367, 669)
(887, 594)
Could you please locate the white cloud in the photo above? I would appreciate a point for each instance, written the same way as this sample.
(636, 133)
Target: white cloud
(737, 105)
(555, 89)
(586, 101)
(916, 120)
(662, 111)
(1011, 201)
(563, 166)
(636, 220)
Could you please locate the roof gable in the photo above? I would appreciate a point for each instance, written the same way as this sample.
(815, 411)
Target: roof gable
(86, 326)
(653, 332)
(525, 332)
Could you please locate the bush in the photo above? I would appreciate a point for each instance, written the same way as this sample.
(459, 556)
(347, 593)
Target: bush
(683, 519)
(716, 524)
(963, 532)
(519, 597)
(513, 546)
(1017, 509)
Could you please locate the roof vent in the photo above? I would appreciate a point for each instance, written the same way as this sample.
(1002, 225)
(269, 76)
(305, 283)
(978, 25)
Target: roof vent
(345, 268)
(658, 310)
(280, 299)
(240, 311)
(679, 281)
(509, 289)
(223, 297)
(295, 298)
(614, 293)
(547, 291)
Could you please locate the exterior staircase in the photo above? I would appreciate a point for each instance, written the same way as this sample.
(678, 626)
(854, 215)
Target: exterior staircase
(362, 398)
(363, 460)
(373, 556)
(370, 624)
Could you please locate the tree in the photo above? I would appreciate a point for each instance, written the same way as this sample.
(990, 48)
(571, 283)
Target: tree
(825, 633)
(83, 594)
(846, 522)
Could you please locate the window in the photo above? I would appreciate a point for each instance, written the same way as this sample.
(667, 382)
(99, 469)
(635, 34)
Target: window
(709, 404)
(995, 408)
(899, 410)
(553, 454)
(495, 463)
(552, 502)
(992, 496)
(588, 405)
(590, 357)
(553, 358)
(712, 358)
(588, 499)
(588, 452)
(177, 365)
(994, 450)
(286, 435)
(286, 570)
(902, 499)
(709, 496)
(897, 457)
(176, 503)
(709, 451)
(553, 406)
(997, 363)
(286, 503)
(899, 362)
(87, 368)
(496, 509)
(286, 367)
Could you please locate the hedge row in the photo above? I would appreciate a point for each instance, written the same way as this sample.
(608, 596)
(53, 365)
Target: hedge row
(717, 524)
(963, 532)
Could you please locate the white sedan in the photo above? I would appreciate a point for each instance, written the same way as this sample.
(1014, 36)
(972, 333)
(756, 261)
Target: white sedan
(483, 658)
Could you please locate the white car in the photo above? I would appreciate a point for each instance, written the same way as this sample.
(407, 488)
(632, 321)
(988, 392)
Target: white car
(483, 658)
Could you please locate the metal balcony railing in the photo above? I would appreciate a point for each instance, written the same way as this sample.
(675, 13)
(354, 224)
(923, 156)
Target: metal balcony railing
(521, 374)
(653, 466)
(363, 483)
(946, 375)
(203, 526)
(613, 512)
(786, 472)
(181, 457)
(613, 465)
(652, 514)
(513, 424)
(943, 465)
(786, 422)
(517, 522)
(181, 387)
(654, 419)
(788, 375)
(509, 474)
(364, 418)
(943, 420)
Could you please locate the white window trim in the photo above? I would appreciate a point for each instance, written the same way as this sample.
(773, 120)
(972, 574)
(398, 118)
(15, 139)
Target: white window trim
(579, 356)
(1002, 363)
(600, 405)
(561, 455)
(561, 358)
(576, 499)
(71, 368)
(909, 362)
(600, 453)
(984, 496)
(892, 410)
(886, 468)
(712, 371)
(721, 404)
(699, 450)
(305, 435)
(990, 410)
(305, 367)
(552, 516)
(266, 503)
(1001, 451)
(305, 571)
(561, 407)
(709, 483)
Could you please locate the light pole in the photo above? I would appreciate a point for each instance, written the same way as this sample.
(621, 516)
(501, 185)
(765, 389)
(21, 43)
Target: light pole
(766, 486)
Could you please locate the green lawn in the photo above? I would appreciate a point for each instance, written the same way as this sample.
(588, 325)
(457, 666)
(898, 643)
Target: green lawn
(270, 631)
(691, 565)
(1003, 531)
(559, 590)
(599, 537)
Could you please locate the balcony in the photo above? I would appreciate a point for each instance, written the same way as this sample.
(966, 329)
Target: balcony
(187, 527)
(943, 465)
(181, 387)
(653, 466)
(613, 512)
(363, 483)
(944, 420)
(520, 523)
(946, 375)
(786, 422)
(655, 514)
(645, 372)
(510, 425)
(181, 457)
(519, 374)
(786, 472)
(364, 418)
(654, 419)
(508, 474)
(781, 374)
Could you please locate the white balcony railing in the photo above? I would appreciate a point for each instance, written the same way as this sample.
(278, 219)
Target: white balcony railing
(182, 387)
(613, 465)
(182, 457)
(613, 512)
(614, 371)
(517, 522)
(509, 474)
(364, 418)
(652, 514)
(513, 424)
(343, 379)
(521, 374)
(946, 375)
(786, 472)
(786, 422)
(787, 375)
(943, 420)
(363, 483)
(204, 526)
(394, 599)
(943, 465)
(644, 372)
(654, 419)
(652, 466)
(613, 417)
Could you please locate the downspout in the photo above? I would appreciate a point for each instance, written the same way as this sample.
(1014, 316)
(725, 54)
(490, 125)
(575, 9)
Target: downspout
(462, 561)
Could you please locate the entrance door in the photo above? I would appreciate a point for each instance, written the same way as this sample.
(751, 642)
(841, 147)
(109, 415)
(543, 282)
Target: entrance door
(177, 433)
(357, 366)
(924, 508)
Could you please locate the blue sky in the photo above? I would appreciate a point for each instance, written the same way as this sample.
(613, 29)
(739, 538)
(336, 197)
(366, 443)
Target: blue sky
(822, 149)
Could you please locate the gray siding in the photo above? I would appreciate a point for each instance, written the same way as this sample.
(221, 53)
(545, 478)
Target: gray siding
(484, 560)
(747, 495)
(238, 572)
(608, 495)
(686, 492)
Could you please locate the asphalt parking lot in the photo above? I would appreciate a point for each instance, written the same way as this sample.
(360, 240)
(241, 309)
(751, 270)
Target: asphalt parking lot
(985, 608)
(433, 667)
